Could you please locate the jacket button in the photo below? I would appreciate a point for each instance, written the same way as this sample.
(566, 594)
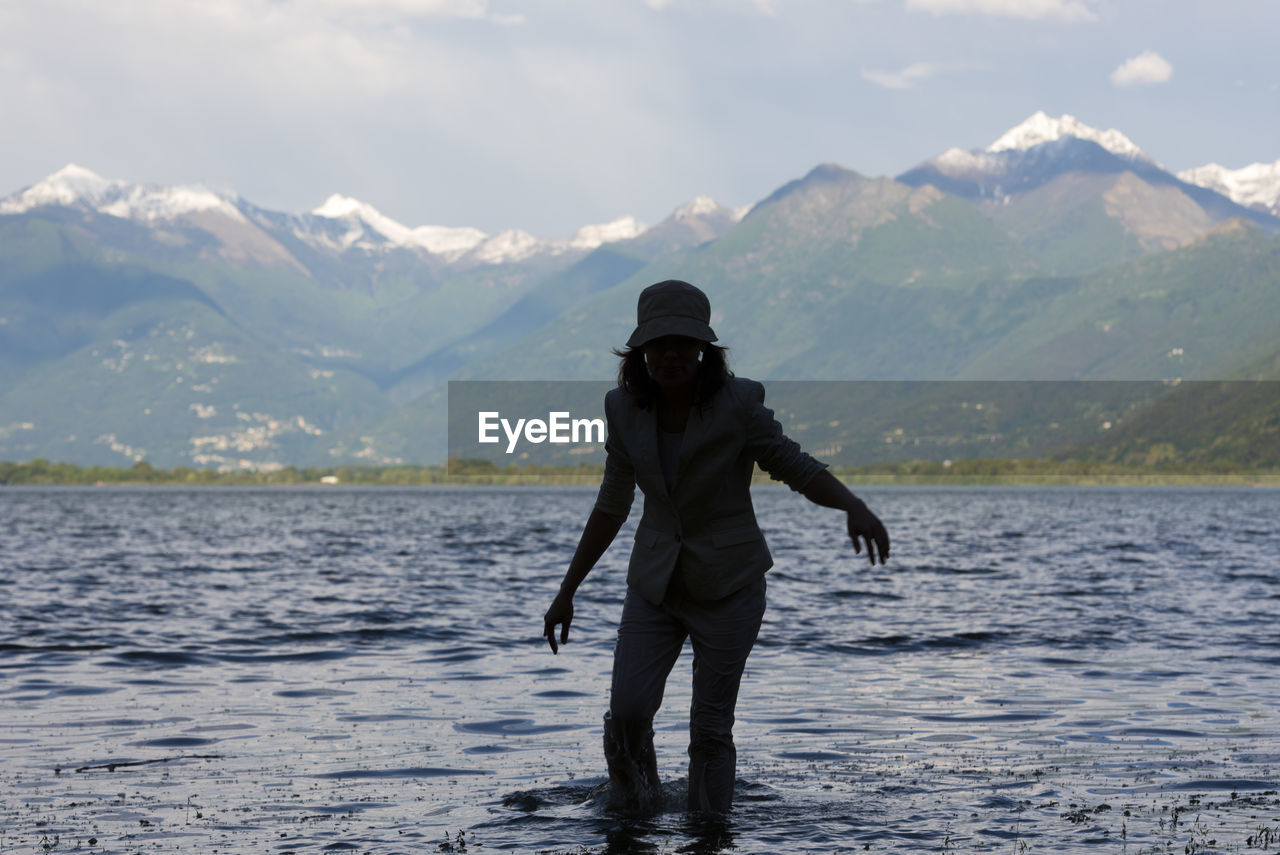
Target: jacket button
(677, 538)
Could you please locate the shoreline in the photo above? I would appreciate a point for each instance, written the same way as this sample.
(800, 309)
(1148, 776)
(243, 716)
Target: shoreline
(960, 473)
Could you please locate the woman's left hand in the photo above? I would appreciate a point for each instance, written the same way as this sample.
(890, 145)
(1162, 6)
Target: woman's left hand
(867, 526)
(560, 614)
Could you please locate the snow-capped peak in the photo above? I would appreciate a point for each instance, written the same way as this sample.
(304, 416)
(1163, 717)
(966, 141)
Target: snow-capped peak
(456, 243)
(704, 206)
(70, 185)
(700, 206)
(1255, 185)
(447, 240)
(509, 245)
(75, 186)
(590, 237)
(441, 240)
(1042, 128)
(351, 222)
(958, 159)
(74, 172)
(339, 207)
(163, 203)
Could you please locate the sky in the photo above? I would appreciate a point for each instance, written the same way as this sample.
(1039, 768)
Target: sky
(553, 114)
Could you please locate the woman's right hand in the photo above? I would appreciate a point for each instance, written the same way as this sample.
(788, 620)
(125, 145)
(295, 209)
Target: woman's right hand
(600, 531)
(561, 612)
(866, 525)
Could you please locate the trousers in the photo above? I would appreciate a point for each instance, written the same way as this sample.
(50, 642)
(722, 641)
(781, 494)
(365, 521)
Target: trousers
(650, 639)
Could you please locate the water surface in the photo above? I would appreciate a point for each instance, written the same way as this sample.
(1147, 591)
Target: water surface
(305, 670)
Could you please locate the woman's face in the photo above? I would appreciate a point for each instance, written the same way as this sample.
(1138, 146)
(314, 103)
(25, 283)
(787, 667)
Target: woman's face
(672, 360)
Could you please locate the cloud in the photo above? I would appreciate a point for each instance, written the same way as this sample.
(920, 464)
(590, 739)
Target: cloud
(1144, 69)
(462, 9)
(1032, 10)
(763, 8)
(290, 53)
(904, 79)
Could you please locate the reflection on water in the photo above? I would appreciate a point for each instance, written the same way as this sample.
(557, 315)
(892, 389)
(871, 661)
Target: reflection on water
(329, 670)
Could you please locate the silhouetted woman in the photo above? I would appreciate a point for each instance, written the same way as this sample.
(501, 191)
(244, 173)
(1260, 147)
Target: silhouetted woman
(688, 433)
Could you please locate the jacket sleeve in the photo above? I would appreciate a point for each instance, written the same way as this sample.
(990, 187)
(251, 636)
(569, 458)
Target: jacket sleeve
(777, 454)
(618, 489)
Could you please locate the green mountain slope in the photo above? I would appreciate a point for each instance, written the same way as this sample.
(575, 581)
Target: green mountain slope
(387, 314)
(226, 342)
(543, 303)
(178, 383)
(1196, 312)
(835, 275)
(1206, 423)
(1079, 222)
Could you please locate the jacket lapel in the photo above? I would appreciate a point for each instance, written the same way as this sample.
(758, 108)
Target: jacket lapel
(694, 430)
(647, 444)
(646, 448)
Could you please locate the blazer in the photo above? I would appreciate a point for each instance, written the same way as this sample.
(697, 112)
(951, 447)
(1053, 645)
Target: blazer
(706, 525)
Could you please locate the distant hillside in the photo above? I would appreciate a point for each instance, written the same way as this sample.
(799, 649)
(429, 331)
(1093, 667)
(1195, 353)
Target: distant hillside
(834, 275)
(1193, 313)
(189, 327)
(1206, 422)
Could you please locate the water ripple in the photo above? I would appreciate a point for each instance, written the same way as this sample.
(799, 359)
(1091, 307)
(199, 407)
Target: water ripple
(363, 670)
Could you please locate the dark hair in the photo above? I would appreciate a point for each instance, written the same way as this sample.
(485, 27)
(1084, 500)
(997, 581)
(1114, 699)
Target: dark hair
(634, 379)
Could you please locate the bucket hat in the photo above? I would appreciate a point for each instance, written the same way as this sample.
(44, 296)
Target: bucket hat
(672, 307)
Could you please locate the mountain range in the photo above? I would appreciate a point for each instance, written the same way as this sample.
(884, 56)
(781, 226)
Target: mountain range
(191, 327)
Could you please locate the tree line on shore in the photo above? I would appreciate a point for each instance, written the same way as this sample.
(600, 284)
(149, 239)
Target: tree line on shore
(472, 472)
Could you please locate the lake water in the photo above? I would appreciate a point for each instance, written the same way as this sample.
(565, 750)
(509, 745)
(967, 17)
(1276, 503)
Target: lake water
(308, 670)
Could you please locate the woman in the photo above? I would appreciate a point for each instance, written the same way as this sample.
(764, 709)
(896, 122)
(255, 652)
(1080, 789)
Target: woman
(688, 433)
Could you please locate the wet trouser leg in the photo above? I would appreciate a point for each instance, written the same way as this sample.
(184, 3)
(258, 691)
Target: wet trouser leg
(649, 642)
(723, 633)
